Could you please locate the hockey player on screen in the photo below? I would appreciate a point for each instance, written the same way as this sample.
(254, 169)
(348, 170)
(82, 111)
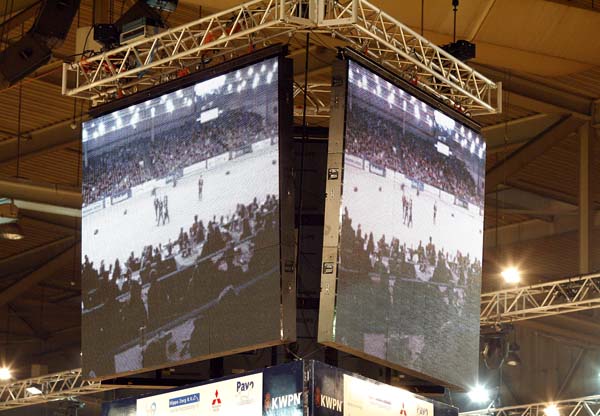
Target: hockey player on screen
(200, 186)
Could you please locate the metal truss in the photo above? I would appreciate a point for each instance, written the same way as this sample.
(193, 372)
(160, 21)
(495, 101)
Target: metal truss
(317, 99)
(56, 386)
(541, 300)
(405, 52)
(258, 23)
(585, 406)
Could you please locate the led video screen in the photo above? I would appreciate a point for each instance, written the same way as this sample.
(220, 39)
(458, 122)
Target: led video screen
(409, 227)
(181, 230)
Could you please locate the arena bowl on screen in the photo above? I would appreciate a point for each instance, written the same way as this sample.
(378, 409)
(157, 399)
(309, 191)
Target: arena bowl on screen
(181, 233)
(410, 232)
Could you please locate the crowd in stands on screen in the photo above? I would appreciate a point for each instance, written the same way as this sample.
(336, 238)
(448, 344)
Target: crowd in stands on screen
(381, 141)
(360, 252)
(120, 167)
(114, 297)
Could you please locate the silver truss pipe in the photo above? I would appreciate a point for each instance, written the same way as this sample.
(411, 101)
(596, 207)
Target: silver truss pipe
(146, 62)
(544, 299)
(583, 406)
(55, 386)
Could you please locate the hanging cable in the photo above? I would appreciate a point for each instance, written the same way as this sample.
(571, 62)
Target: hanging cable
(422, 16)
(455, 9)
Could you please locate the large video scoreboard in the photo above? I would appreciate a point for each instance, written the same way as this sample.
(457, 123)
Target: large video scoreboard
(403, 236)
(187, 220)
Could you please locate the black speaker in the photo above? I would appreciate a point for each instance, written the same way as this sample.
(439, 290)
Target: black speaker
(22, 58)
(54, 21)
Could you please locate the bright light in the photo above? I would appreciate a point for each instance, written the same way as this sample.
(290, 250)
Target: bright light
(34, 391)
(238, 75)
(551, 410)
(275, 65)
(84, 134)
(443, 120)
(179, 93)
(263, 68)
(134, 119)
(152, 111)
(101, 128)
(511, 275)
(5, 373)
(211, 85)
(255, 81)
(391, 98)
(479, 394)
(269, 77)
(170, 106)
(250, 71)
(472, 147)
(417, 113)
(229, 88)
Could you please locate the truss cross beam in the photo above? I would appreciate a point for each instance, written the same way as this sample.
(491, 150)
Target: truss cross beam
(258, 23)
(541, 300)
(584, 406)
(49, 387)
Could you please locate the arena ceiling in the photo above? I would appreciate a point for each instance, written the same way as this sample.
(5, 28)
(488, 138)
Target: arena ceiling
(546, 53)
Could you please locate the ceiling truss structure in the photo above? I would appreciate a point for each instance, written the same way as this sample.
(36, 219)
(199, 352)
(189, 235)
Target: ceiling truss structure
(585, 406)
(57, 386)
(540, 300)
(257, 23)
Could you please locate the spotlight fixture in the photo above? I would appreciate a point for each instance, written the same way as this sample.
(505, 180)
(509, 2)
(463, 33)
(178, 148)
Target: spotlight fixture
(11, 231)
(34, 389)
(479, 394)
(511, 275)
(551, 410)
(5, 374)
(513, 359)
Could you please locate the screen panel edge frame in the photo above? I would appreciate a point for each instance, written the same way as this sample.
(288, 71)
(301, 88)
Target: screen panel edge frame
(333, 202)
(287, 251)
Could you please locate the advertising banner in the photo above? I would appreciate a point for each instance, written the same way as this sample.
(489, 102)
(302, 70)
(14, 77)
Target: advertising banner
(239, 396)
(283, 390)
(368, 398)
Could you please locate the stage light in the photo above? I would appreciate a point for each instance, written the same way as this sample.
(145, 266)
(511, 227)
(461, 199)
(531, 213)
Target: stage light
(152, 112)
(5, 373)
(479, 394)
(263, 68)
(238, 75)
(255, 81)
(229, 88)
(269, 77)
(250, 71)
(551, 410)
(513, 358)
(179, 93)
(101, 128)
(511, 275)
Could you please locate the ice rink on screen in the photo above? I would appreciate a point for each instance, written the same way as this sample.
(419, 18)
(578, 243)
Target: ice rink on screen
(117, 230)
(375, 202)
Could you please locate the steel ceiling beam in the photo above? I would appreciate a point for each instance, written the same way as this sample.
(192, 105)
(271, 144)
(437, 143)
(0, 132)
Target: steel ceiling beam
(556, 100)
(514, 162)
(46, 271)
(52, 194)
